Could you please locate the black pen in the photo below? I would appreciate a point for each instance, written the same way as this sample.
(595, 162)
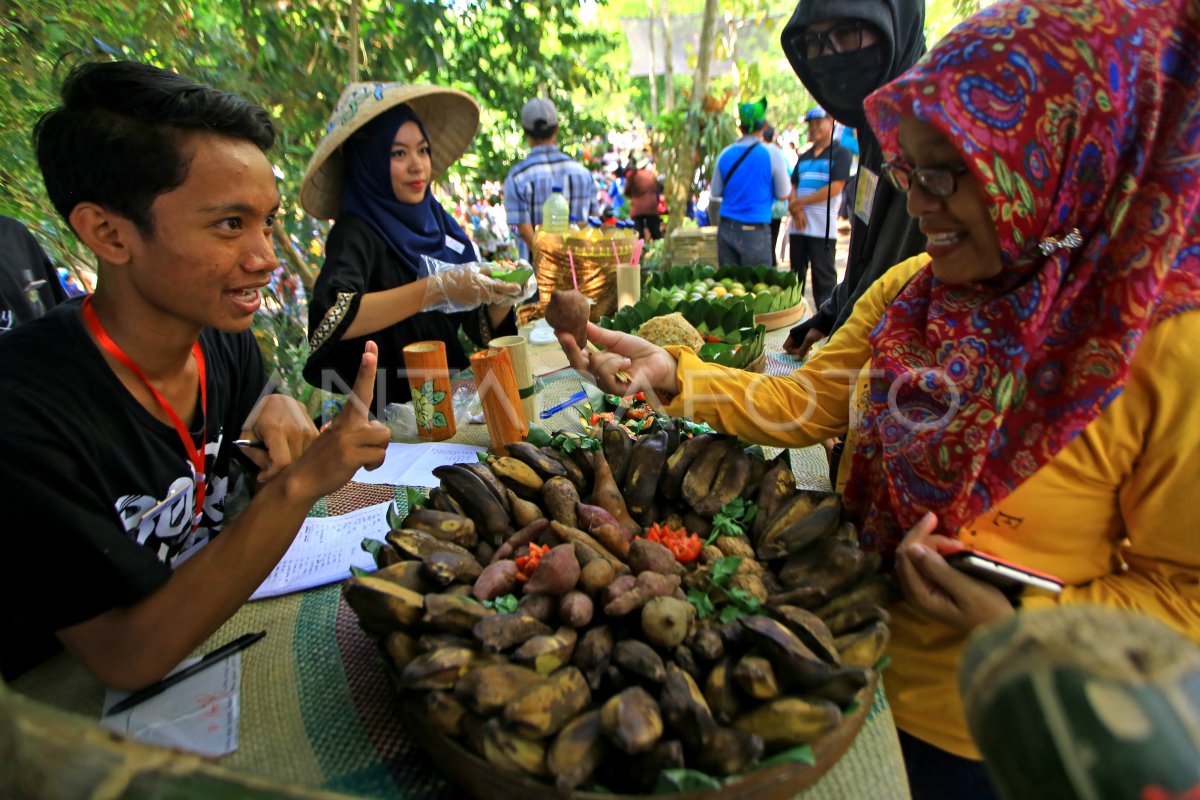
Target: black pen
(155, 689)
(257, 444)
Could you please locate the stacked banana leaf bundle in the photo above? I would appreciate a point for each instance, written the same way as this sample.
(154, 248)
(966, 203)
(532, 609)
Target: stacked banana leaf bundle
(613, 608)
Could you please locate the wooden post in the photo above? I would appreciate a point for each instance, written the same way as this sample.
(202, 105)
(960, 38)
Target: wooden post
(354, 46)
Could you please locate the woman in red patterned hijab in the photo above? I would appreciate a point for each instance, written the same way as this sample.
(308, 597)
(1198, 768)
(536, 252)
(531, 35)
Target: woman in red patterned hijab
(1079, 123)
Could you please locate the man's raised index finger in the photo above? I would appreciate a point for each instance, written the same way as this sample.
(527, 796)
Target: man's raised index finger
(363, 394)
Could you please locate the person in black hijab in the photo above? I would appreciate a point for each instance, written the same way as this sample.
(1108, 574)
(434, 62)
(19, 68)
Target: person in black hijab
(842, 51)
(398, 268)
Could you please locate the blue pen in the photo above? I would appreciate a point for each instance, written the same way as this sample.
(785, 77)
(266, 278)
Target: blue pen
(570, 401)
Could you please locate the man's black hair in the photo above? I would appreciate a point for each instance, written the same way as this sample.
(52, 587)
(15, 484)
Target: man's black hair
(117, 139)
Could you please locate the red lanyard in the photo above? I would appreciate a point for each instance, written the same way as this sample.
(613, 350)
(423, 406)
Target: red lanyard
(195, 454)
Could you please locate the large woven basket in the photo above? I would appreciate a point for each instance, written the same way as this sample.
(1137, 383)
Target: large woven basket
(593, 264)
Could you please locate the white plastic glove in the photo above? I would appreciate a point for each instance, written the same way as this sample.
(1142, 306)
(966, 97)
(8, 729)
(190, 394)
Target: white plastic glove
(461, 287)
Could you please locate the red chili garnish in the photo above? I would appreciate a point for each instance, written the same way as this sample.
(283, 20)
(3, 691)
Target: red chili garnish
(526, 565)
(684, 546)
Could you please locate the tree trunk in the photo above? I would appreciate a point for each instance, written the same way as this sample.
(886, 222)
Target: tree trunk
(704, 57)
(668, 63)
(296, 262)
(652, 76)
(352, 24)
(682, 190)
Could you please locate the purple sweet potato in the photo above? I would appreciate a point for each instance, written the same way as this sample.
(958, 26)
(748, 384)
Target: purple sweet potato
(575, 609)
(648, 556)
(519, 539)
(499, 578)
(557, 572)
(568, 312)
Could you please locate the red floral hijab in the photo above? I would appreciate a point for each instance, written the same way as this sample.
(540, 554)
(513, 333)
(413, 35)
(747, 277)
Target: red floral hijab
(1072, 116)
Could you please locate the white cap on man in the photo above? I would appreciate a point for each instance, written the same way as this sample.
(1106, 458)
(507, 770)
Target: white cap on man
(538, 118)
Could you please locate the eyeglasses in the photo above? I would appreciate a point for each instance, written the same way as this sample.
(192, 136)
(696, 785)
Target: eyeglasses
(939, 182)
(842, 38)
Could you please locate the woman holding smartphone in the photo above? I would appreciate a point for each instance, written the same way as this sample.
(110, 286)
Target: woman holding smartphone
(1026, 387)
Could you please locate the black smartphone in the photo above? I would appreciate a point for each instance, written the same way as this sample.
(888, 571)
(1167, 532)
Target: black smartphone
(1004, 575)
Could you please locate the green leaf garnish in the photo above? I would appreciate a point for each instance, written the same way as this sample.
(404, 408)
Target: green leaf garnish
(673, 781)
(504, 604)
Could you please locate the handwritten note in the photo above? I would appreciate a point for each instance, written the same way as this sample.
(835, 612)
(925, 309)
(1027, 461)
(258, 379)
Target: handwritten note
(199, 715)
(413, 464)
(325, 549)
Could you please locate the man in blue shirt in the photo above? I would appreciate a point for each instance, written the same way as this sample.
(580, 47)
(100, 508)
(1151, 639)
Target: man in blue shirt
(531, 181)
(749, 178)
(818, 179)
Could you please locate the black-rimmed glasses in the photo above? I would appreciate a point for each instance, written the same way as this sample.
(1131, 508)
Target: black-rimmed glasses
(844, 37)
(939, 182)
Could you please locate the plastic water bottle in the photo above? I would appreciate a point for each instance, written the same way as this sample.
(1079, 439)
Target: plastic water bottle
(595, 230)
(556, 213)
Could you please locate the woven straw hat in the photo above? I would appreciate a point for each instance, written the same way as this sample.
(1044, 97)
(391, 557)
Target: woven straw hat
(450, 117)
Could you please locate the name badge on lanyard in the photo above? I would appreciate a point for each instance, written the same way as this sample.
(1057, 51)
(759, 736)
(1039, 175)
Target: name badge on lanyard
(864, 194)
(455, 245)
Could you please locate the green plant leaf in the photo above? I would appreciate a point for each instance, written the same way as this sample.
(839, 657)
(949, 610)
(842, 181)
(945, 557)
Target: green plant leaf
(375, 548)
(504, 604)
(703, 605)
(801, 754)
(723, 569)
(537, 436)
(674, 781)
(394, 518)
(358, 572)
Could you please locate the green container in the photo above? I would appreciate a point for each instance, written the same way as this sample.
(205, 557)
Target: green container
(1085, 702)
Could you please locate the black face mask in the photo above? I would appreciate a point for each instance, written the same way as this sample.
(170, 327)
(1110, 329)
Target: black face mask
(845, 80)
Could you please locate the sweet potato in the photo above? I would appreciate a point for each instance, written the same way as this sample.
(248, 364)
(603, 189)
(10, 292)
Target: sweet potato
(595, 575)
(648, 586)
(557, 572)
(518, 540)
(607, 495)
(560, 498)
(592, 516)
(568, 312)
(500, 578)
(539, 606)
(575, 609)
(648, 556)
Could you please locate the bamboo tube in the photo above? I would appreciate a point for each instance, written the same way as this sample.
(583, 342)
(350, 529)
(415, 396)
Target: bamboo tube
(429, 377)
(502, 411)
(518, 352)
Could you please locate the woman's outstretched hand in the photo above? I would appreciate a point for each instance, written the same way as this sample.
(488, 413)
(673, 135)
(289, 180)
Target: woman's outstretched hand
(940, 591)
(467, 286)
(647, 365)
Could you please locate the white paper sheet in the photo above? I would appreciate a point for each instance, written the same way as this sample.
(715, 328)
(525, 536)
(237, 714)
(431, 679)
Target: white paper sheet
(325, 549)
(413, 464)
(199, 715)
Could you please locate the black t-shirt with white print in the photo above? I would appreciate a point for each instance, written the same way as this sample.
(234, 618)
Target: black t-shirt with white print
(85, 471)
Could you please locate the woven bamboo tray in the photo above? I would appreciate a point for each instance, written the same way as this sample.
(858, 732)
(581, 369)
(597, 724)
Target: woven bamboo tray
(483, 781)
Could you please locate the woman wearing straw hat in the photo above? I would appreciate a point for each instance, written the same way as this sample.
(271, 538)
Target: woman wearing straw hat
(398, 268)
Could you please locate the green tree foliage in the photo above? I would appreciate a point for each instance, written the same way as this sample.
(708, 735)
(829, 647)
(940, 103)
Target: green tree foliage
(291, 56)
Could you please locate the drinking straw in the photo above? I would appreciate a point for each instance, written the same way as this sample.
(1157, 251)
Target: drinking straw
(571, 260)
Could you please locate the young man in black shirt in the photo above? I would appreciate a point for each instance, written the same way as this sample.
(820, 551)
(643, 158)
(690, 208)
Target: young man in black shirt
(118, 412)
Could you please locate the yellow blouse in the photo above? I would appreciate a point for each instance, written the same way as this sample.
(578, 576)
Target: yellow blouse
(1115, 515)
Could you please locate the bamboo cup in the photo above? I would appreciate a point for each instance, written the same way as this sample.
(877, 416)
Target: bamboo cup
(498, 394)
(518, 353)
(629, 284)
(429, 378)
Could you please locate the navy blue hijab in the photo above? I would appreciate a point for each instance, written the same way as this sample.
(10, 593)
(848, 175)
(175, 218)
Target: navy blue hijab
(411, 230)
